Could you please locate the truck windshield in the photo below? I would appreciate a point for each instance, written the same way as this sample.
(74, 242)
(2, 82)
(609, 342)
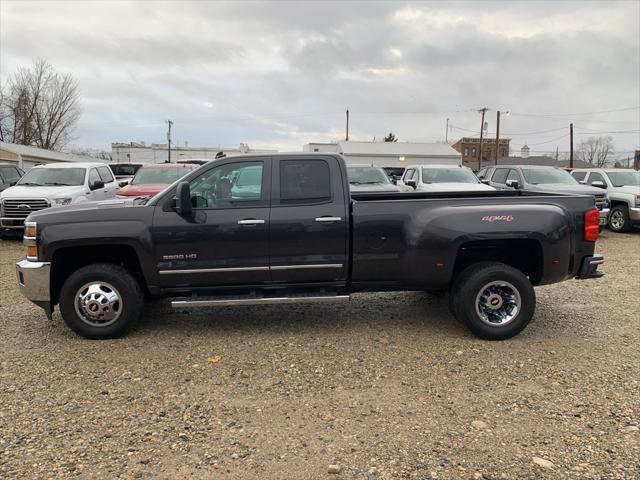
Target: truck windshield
(367, 176)
(546, 176)
(448, 175)
(620, 179)
(165, 175)
(41, 177)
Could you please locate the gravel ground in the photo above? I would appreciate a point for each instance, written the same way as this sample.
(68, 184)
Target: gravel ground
(389, 386)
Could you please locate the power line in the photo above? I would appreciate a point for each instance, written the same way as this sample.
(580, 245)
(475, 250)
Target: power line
(574, 114)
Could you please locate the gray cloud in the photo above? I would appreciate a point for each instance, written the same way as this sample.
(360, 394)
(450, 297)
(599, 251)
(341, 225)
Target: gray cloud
(282, 73)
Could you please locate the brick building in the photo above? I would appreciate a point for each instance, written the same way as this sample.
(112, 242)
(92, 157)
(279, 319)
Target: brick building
(469, 146)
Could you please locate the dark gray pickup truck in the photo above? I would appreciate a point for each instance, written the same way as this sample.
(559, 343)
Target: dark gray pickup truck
(285, 228)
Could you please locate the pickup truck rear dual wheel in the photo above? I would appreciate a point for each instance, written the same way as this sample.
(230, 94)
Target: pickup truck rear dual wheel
(619, 219)
(494, 300)
(101, 301)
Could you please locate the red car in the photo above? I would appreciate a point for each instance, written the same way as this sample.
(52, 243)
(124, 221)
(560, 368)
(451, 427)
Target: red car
(153, 178)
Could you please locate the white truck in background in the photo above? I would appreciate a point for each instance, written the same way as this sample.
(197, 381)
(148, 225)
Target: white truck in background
(52, 185)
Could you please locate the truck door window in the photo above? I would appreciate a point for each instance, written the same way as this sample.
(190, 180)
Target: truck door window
(579, 176)
(304, 181)
(234, 185)
(105, 174)
(93, 177)
(409, 174)
(596, 177)
(500, 175)
(513, 175)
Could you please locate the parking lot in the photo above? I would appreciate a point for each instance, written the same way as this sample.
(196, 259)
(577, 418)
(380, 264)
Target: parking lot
(389, 386)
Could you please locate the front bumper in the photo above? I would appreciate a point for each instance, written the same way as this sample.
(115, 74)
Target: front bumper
(12, 223)
(604, 216)
(589, 267)
(33, 280)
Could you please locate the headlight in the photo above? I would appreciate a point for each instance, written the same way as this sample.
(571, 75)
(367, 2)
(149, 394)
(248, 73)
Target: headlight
(60, 201)
(30, 240)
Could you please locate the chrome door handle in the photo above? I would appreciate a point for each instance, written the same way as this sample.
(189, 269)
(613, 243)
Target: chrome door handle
(250, 221)
(328, 219)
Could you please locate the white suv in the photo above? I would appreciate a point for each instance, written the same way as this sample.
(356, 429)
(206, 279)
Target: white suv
(623, 187)
(54, 185)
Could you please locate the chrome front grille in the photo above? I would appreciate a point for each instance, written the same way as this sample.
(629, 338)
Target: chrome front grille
(601, 201)
(21, 208)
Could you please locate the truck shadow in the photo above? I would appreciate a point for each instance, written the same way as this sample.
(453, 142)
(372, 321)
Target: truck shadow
(406, 311)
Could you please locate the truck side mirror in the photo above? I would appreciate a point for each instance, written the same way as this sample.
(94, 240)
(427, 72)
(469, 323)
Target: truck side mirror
(513, 184)
(183, 199)
(96, 185)
(411, 183)
(598, 183)
(485, 181)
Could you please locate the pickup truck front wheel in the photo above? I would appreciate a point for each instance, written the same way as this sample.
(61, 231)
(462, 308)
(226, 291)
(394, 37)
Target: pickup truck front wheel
(101, 301)
(619, 219)
(494, 300)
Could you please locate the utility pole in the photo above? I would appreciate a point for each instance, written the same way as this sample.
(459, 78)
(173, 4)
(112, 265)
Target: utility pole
(347, 136)
(483, 110)
(497, 136)
(446, 133)
(169, 122)
(571, 145)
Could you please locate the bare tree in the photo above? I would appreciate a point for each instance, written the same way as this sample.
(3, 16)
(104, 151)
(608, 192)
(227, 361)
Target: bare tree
(595, 150)
(40, 107)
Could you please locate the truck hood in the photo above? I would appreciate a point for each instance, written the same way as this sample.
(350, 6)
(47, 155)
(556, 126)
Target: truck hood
(69, 210)
(19, 191)
(564, 188)
(374, 187)
(142, 190)
(454, 187)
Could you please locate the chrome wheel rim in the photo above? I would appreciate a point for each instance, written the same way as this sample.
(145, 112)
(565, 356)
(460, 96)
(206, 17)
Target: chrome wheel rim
(617, 220)
(98, 304)
(498, 303)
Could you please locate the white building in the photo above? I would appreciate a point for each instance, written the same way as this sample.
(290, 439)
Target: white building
(390, 155)
(139, 152)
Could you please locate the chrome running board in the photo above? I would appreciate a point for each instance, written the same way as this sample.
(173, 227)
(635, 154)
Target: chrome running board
(221, 301)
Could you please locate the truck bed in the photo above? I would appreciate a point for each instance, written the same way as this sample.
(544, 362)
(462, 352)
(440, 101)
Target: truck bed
(418, 239)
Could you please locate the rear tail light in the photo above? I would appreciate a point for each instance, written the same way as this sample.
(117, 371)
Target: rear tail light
(591, 225)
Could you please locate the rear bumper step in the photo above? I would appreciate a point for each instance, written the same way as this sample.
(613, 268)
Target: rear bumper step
(589, 267)
(222, 301)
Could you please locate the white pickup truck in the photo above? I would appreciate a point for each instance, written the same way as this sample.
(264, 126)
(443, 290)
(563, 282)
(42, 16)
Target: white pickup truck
(623, 187)
(441, 178)
(53, 185)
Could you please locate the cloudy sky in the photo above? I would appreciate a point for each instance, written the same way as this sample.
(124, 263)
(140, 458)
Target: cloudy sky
(282, 74)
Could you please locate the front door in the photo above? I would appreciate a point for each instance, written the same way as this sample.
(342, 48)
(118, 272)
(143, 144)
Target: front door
(309, 220)
(225, 240)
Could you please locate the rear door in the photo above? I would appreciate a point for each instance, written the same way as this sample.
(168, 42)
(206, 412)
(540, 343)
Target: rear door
(309, 220)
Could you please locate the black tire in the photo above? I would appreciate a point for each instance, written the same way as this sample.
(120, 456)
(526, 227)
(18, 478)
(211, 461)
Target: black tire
(619, 219)
(474, 279)
(126, 311)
